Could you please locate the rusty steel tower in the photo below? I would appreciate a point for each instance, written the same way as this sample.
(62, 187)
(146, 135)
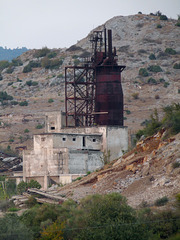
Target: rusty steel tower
(93, 92)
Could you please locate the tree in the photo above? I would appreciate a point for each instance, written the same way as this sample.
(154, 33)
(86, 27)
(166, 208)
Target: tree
(106, 217)
(12, 228)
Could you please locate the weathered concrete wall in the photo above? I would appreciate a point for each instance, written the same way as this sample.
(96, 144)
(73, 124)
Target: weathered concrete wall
(117, 141)
(77, 141)
(53, 122)
(80, 162)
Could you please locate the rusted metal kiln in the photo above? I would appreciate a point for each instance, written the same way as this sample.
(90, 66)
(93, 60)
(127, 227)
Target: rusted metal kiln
(93, 92)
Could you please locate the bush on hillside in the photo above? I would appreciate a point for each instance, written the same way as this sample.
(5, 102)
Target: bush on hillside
(155, 68)
(170, 51)
(152, 56)
(170, 121)
(4, 64)
(27, 69)
(163, 17)
(143, 72)
(42, 52)
(159, 26)
(5, 96)
(176, 66)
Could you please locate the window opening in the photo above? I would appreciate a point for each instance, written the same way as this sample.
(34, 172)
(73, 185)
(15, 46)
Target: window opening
(94, 140)
(64, 139)
(52, 128)
(84, 142)
(74, 139)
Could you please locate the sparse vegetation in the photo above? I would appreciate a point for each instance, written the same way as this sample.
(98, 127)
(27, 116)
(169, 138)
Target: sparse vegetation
(31, 83)
(39, 126)
(23, 103)
(143, 72)
(51, 64)
(27, 69)
(170, 121)
(170, 51)
(4, 96)
(159, 26)
(52, 55)
(135, 95)
(166, 84)
(152, 56)
(163, 17)
(161, 201)
(26, 130)
(155, 68)
(50, 100)
(4, 64)
(42, 52)
(176, 66)
(152, 81)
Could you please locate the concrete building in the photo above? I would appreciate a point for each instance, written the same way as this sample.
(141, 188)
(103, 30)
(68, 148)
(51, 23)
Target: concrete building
(62, 154)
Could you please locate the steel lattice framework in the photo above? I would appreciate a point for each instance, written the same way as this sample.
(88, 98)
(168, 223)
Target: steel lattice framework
(79, 95)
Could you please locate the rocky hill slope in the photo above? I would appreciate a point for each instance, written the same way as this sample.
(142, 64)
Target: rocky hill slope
(36, 81)
(147, 173)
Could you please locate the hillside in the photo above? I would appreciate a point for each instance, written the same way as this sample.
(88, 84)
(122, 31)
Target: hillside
(148, 172)
(37, 85)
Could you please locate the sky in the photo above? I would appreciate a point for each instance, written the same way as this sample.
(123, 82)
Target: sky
(61, 23)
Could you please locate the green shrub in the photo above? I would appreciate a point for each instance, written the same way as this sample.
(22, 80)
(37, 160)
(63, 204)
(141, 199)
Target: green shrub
(34, 64)
(5, 96)
(27, 69)
(17, 62)
(23, 186)
(176, 66)
(128, 112)
(177, 24)
(166, 84)
(151, 126)
(39, 126)
(159, 26)
(135, 95)
(161, 80)
(12, 228)
(50, 100)
(31, 83)
(10, 70)
(52, 55)
(163, 17)
(26, 130)
(152, 56)
(34, 184)
(155, 68)
(23, 103)
(13, 209)
(170, 51)
(14, 103)
(76, 62)
(4, 64)
(152, 81)
(31, 201)
(51, 64)
(176, 165)
(161, 201)
(143, 72)
(42, 52)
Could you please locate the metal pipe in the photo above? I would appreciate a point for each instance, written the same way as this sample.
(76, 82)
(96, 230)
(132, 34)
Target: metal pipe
(110, 44)
(105, 47)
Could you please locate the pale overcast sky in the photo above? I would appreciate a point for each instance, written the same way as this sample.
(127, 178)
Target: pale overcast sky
(61, 23)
